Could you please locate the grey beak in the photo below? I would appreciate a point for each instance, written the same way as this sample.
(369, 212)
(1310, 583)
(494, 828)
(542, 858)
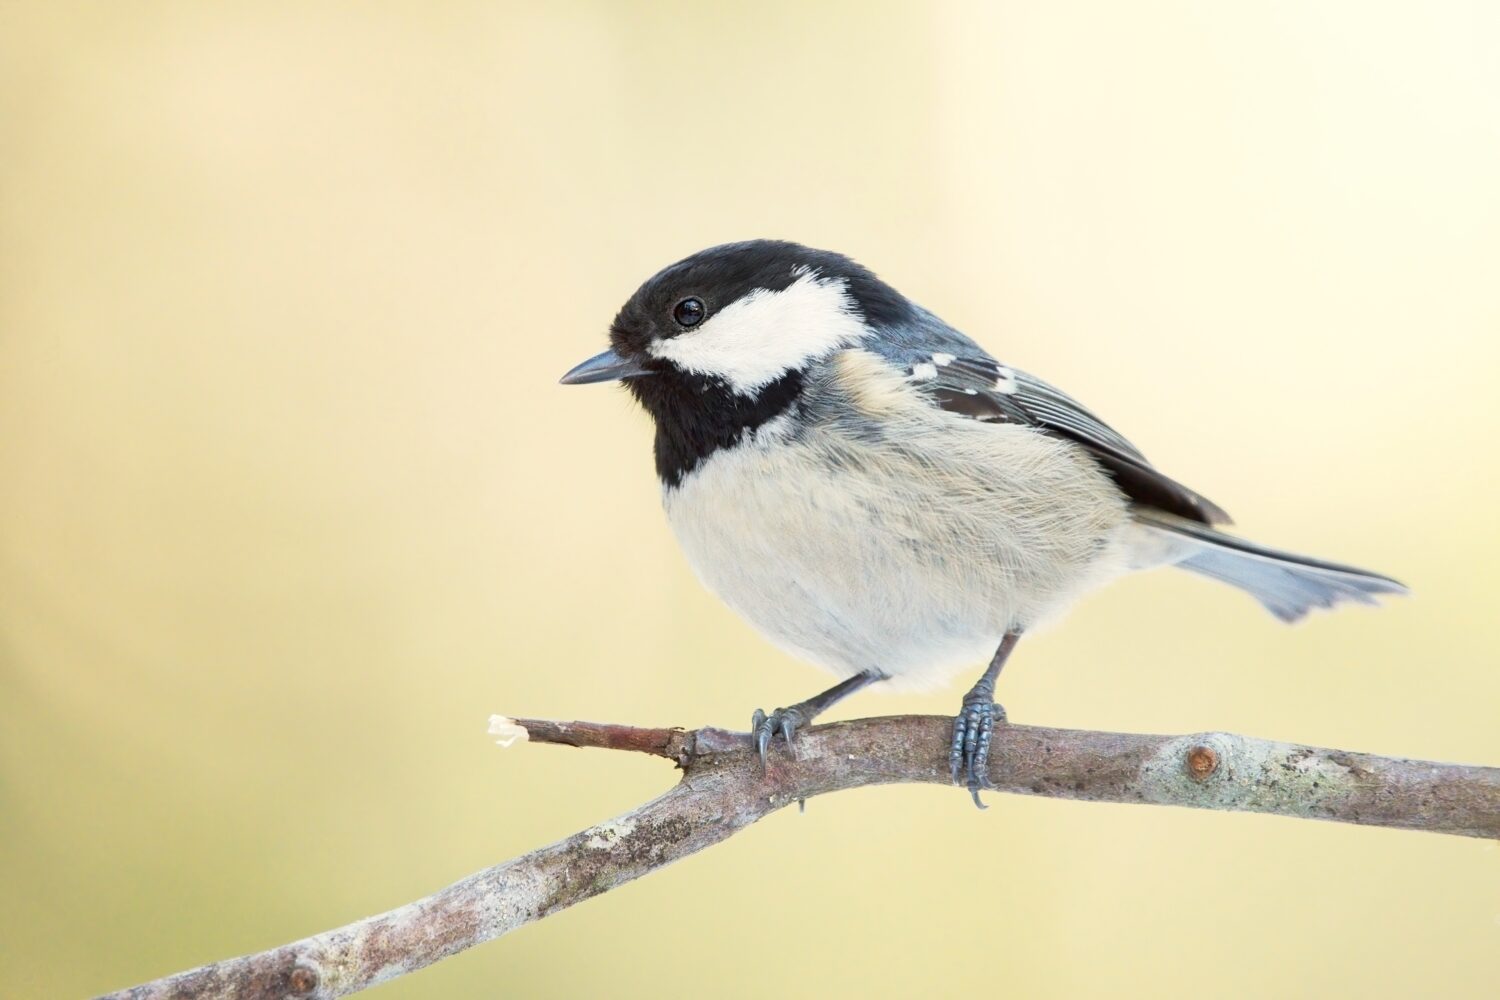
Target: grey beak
(606, 367)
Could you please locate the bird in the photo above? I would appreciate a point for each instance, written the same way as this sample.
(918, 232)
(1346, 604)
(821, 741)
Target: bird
(879, 496)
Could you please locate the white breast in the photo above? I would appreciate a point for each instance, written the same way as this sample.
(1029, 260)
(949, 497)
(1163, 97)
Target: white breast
(910, 551)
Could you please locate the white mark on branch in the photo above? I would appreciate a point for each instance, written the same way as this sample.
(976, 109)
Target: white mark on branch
(507, 730)
(606, 835)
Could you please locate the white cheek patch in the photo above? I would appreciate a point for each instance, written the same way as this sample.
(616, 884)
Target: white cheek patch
(762, 336)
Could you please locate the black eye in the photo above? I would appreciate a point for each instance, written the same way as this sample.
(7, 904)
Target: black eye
(689, 312)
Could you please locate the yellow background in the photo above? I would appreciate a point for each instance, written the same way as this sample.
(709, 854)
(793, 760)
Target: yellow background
(290, 500)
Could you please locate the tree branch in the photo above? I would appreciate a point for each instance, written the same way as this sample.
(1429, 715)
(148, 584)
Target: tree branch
(723, 790)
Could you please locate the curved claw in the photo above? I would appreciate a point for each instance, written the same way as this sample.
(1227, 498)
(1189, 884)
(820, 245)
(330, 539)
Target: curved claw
(761, 733)
(790, 720)
(980, 781)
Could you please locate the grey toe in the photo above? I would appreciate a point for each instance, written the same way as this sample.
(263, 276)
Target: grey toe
(764, 728)
(969, 750)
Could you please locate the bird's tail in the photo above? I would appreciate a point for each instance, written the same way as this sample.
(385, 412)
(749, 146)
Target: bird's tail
(1288, 585)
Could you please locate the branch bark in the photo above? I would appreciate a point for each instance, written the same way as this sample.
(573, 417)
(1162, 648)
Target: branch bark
(723, 790)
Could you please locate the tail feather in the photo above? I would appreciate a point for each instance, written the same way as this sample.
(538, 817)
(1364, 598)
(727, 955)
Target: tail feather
(1288, 585)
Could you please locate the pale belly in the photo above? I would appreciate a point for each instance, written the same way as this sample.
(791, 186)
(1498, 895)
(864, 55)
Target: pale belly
(858, 556)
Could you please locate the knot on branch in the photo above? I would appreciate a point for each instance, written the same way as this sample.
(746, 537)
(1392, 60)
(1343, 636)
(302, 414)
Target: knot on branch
(1202, 761)
(303, 979)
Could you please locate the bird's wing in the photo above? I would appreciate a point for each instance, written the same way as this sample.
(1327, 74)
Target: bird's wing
(959, 377)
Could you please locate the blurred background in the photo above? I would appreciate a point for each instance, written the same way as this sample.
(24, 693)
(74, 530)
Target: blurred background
(290, 500)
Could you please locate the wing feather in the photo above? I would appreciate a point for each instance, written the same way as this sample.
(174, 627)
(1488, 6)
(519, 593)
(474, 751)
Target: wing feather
(962, 379)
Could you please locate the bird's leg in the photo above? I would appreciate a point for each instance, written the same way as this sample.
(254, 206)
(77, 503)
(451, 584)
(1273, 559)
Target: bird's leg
(786, 721)
(969, 754)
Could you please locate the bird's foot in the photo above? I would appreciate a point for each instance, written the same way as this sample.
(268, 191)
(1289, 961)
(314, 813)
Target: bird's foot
(786, 721)
(969, 753)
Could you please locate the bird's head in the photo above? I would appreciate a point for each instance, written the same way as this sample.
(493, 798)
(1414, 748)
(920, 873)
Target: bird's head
(719, 342)
(742, 316)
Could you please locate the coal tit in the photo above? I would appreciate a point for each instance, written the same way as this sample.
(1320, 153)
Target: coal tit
(876, 494)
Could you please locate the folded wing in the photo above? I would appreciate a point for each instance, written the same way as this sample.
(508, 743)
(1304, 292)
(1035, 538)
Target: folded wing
(968, 382)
